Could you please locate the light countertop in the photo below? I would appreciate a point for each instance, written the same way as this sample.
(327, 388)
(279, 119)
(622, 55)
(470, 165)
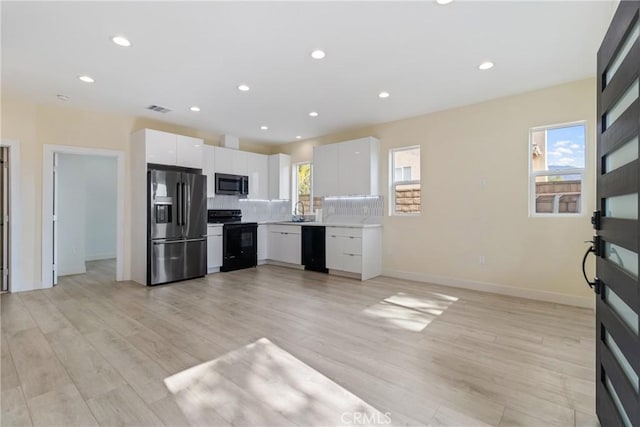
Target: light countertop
(324, 224)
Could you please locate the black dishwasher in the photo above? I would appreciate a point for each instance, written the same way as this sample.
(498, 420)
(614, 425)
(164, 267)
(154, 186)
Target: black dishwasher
(314, 248)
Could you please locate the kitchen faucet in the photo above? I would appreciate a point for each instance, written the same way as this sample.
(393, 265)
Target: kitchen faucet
(295, 209)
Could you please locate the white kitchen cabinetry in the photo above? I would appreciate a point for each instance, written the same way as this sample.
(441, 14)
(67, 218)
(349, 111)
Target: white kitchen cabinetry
(347, 168)
(175, 150)
(208, 168)
(214, 248)
(190, 152)
(356, 251)
(279, 177)
(258, 171)
(325, 170)
(263, 243)
(285, 243)
(230, 161)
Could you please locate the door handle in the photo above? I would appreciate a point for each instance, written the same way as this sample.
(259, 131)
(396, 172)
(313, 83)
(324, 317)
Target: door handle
(595, 285)
(179, 204)
(184, 205)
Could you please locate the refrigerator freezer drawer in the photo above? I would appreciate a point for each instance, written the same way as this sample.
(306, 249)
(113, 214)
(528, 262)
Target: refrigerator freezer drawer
(173, 260)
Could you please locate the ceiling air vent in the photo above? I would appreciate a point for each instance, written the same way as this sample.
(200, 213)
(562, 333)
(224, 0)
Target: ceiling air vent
(158, 109)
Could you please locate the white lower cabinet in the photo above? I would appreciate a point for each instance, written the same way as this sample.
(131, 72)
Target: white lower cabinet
(263, 243)
(354, 250)
(214, 248)
(285, 243)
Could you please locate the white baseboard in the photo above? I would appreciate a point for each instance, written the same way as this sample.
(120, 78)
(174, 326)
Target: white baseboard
(284, 264)
(98, 257)
(27, 288)
(533, 294)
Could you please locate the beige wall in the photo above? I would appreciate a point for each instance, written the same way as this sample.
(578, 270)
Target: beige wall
(34, 125)
(462, 219)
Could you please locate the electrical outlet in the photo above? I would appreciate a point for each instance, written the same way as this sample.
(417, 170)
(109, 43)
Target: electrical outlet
(482, 260)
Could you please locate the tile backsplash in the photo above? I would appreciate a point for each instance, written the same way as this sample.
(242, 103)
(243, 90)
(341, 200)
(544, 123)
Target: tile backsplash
(253, 210)
(362, 210)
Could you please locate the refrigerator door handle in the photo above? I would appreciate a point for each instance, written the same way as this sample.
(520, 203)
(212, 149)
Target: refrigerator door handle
(178, 204)
(184, 204)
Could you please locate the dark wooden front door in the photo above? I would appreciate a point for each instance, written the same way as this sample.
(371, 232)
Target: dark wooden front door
(617, 237)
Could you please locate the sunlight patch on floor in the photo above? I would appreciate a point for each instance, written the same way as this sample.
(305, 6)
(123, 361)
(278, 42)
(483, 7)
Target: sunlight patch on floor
(409, 312)
(262, 384)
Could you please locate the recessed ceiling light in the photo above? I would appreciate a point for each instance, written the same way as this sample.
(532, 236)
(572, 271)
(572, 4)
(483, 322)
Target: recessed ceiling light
(121, 41)
(62, 97)
(485, 65)
(195, 109)
(318, 54)
(264, 127)
(313, 114)
(443, 1)
(86, 79)
(243, 88)
(383, 94)
(298, 137)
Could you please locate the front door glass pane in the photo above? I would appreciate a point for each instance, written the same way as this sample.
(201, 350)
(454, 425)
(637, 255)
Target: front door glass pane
(624, 258)
(621, 106)
(622, 54)
(621, 308)
(622, 155)
(625, 206)
(622, 361)
(616, 400)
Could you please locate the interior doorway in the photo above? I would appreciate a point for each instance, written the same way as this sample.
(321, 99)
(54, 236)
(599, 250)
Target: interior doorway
(85, 196)
(10, 238)
(83, 213)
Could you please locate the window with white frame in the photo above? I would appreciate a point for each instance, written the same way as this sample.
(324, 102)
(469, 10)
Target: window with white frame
(405, 181)
(303, 187)
(556, 165)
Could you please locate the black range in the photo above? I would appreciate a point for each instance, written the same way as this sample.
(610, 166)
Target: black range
(239, 239)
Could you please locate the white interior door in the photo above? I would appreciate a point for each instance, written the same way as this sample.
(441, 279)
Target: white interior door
(54, 219)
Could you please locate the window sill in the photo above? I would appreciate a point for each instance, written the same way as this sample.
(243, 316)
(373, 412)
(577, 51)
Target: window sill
(556, 215)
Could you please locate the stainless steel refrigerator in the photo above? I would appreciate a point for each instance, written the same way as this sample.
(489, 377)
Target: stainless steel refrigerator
(177, 225)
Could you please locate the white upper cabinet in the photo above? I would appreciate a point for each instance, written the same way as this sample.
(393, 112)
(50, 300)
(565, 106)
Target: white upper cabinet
(325, 170)
(209, 169)
(358, 167)
(258, 171)
(348, 168)
(230, 161)
(175, 150)
(190, 152)
(279, 177)
(160, 147)
(223, 160)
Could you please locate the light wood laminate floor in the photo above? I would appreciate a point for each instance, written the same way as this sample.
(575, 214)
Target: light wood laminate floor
(274, 346)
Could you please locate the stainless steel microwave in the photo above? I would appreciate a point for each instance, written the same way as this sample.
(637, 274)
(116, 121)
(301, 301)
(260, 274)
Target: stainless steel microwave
(234, 185)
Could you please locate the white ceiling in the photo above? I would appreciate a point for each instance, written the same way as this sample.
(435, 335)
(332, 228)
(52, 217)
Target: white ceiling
(196, 53)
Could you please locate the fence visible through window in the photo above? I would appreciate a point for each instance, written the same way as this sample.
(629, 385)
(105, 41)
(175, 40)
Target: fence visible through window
(557, 161)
